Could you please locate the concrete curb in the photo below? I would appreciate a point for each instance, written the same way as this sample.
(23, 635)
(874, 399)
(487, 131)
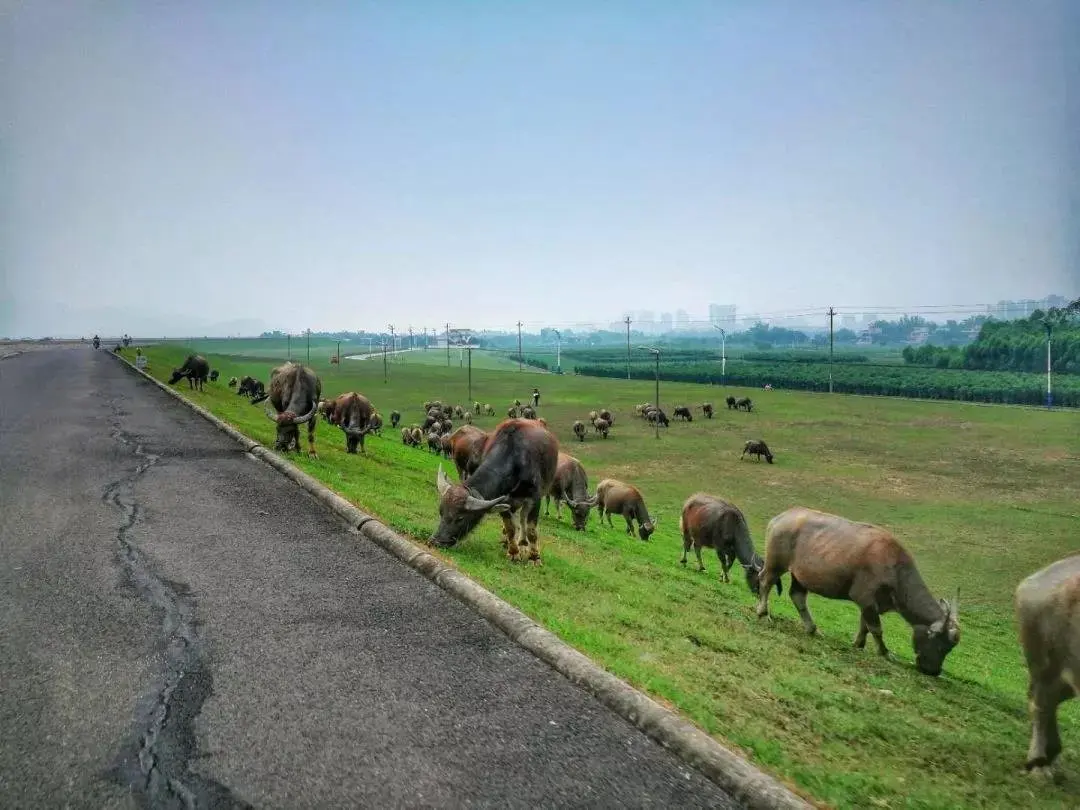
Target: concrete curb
(737, 776)
(9, 355)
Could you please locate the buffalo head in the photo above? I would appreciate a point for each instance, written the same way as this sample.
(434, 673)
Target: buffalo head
(288, 426)
(460, 510)
(579, 511)
(935, 641)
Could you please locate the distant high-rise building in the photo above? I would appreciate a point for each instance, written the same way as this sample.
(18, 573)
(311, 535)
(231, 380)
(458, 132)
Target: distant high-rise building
(682, 319)
(849, 321)
(666, 320)
(722, 315)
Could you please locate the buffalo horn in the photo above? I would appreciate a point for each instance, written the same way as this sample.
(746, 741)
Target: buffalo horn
(442, 482)
(474, 504)
(307, 416)
(270, 416)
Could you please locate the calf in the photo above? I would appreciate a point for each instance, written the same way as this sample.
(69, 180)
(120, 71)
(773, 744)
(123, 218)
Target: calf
(232, 382)
(446, 445)
(214, 375)
(709, 522)
(756, 447)
(1048, 612)
(744, 403)
(707, 409)
(579, 430)
(395, 417)
(375, 424)
(571, 485)
(730, 402)
(861, 563)
(684, 413)
(615, 497)
(518, 468)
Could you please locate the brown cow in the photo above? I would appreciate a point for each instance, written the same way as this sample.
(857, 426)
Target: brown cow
(861, 563)
(709, 522)
(467, 450)
(571, 484)
(615, 497)
(294, 393)
(518, 467)
(352, 412)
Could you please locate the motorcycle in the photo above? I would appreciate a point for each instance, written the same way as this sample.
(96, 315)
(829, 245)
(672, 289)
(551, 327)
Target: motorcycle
(97, 343)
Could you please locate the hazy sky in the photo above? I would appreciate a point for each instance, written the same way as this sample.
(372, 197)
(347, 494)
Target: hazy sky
(173, 166)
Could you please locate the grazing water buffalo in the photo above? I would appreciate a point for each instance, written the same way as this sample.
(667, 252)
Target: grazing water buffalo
(446, 445)
(756, 447)
(571, 485)
(602, 426)
(709, 522)
(517, 470)
(294, 393)
(195, 368)
(579, 430)
(682, 412)
(512, 412)
(467, 450)
(467, 417)
(615, 497)
(375, 424)
(352, 412)
(395, 417)
(488, 410)
(214, 375)
(840, 559)
(707, 409)
(657, 415)
(434, 442)
(593, 416)
(606, 414)
(744, 403)
(730, 402)
(528, 412)
(232, 382)
(1048, 612)
(250, 387)
(406, 436)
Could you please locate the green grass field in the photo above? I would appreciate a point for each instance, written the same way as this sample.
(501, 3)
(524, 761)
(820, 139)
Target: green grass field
(981, 495)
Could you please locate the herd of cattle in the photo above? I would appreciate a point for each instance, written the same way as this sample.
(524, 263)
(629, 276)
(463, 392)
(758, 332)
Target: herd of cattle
(510, 470)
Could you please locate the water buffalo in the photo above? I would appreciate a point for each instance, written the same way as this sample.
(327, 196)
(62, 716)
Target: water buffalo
(488, 410)
(294, 393)
(406, 436)
(446, 445)
(744, 403)
(214, 374)
(375, 424)
(1048, 612)
(195, 368)
(467, 417)
(352, 412)
(434, 442)
(756, 447)
(232, 382)
(682, 412)
(657, 415)
(571, 485)
(518, 467)
(512, 412)
(459, 412)
(606, 414)
(250, 387)
(840, 559)
(416, 436)
(467, 450)
(477, 408)
(710, 522)
(615, 497)
(602, 426)
(579, 430)
(730, 402)
(593, 416)
(395, 417)
(707, 409)
(528, 412)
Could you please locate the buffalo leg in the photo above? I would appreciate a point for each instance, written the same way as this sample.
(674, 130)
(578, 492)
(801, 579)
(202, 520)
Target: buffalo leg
(547, 505)
(609, 523)
(726, 561)
(310, 439)
(532, 536)
(798, 596)
(768, 578)
(871, 620)
(511, 532)
(687, 541)
(1044, 695)
(629, 525)
(507, 529)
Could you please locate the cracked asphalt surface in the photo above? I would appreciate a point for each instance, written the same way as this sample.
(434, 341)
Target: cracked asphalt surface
(182, 626)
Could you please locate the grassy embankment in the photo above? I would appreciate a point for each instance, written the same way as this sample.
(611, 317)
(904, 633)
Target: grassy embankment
(981, 495)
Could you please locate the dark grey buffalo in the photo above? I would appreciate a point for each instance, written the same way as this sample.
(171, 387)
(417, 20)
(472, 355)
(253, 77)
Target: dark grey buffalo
(195, 369)
(294, 393)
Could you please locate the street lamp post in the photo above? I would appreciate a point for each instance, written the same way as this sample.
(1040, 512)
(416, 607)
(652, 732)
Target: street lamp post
(558, 351)
(1049, 393)
(656, 354)
(723, 352)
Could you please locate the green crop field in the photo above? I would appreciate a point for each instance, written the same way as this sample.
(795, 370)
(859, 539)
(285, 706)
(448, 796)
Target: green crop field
(981, 495)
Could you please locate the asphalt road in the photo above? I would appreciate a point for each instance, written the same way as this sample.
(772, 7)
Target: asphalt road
(182, 626)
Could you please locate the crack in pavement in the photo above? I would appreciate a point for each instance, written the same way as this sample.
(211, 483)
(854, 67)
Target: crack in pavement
(156, 762)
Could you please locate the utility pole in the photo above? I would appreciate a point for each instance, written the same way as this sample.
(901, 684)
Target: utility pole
(448, 345)
(393, 343)
(723, 351)
(628, 348)
(339, 355)
(519, 346)
(656, 354)
(425, 339)
(385, 371)
(832, 314)
(469, 348)
(558, 350)
(410, 338)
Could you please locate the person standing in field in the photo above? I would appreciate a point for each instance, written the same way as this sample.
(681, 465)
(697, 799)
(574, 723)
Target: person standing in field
(536, 397)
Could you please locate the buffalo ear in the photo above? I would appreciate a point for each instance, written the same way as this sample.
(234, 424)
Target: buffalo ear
(501, 508)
